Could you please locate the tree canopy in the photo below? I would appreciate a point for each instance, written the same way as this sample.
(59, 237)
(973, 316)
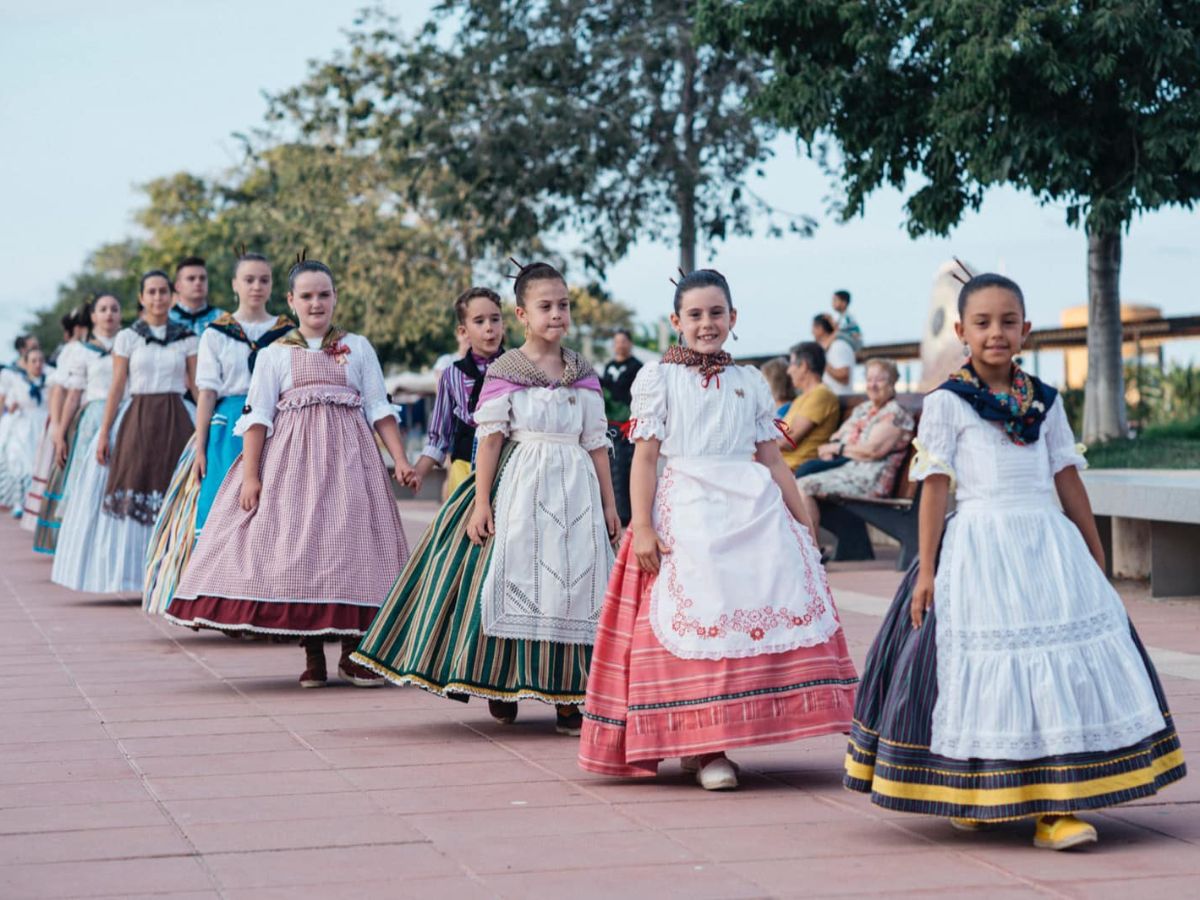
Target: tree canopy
(529, 118)
(1093, 106)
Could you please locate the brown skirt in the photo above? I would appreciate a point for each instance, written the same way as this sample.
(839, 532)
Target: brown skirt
(153, 433)
(272, 617)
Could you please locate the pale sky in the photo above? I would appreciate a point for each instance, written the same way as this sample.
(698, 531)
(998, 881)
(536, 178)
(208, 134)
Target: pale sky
(98, 97)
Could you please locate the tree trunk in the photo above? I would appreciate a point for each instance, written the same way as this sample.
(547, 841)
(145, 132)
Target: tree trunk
(686, 178)
(1104, 397)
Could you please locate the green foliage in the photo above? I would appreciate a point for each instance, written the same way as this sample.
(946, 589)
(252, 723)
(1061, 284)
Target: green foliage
(1163, 397)
(521, 119)
(1092, 106)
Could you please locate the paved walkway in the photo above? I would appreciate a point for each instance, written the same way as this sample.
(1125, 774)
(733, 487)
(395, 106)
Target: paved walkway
(141, 759)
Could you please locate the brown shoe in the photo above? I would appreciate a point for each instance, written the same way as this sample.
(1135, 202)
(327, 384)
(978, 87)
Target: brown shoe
(357, 675)
(315, 674)
(503, 711)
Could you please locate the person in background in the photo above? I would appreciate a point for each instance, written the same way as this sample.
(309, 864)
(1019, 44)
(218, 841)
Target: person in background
(839, 355)
(847, 326)
(813, 417)
(191, 308)
(616, 378)
(783, 392)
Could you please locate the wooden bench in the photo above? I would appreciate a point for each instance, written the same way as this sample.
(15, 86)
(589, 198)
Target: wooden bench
(895, 515)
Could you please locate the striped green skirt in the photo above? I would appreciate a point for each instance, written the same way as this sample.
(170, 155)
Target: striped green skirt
(429, 630)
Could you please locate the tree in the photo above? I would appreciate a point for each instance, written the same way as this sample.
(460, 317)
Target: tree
(522, 119)
(1093, 105)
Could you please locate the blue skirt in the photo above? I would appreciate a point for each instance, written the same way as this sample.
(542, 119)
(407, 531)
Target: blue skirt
(223, 448)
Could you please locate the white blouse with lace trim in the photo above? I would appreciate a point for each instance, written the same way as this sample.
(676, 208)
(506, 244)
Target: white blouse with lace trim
(273, 375)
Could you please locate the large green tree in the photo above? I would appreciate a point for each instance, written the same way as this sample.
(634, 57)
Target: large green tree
(523, 119)
(1092, 105)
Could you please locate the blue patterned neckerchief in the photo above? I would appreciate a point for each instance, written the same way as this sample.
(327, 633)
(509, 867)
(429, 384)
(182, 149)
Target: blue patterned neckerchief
(1021, 410)
(35, 387)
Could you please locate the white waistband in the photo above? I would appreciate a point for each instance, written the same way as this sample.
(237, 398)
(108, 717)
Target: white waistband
(520, 435)
(1003, 502)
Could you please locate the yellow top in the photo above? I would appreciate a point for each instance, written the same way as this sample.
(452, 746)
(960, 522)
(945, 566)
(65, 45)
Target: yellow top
(820, 406)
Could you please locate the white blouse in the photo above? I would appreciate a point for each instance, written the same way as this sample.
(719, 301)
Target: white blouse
(57, 375)
(153, 368)
(18, 396)
(954, 440)
(273, 376)
(91, 372)
(223, 363)
(728, 418)
(541, 410)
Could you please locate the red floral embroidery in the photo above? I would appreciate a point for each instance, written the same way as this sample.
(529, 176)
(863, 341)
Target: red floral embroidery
(339, 351)
(753, 622)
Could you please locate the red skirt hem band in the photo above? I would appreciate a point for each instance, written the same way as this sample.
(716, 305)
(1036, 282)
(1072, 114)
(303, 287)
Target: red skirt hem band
(636, 749)
(261, 617)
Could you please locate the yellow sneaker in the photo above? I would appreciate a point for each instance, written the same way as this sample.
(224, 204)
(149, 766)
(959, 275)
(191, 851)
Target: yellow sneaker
(1062, 833)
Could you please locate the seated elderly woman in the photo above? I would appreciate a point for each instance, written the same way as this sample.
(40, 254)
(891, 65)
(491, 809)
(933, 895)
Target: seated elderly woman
(863, 456)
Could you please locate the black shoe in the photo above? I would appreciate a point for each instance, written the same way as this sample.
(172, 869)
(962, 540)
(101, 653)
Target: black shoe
(457, 697)
(568, 723)
(503, 711)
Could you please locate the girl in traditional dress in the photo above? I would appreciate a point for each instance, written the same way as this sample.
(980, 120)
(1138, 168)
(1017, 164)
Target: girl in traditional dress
(452, 424)
(79, 562)
(719, 629)
(502, 602)
(75, 326)
(155, 360)
(1007, 681)
(303, 537)
(26, 412)
(229, 348)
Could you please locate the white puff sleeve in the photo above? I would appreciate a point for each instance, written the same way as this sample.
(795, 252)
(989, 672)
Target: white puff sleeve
(937, 437)
(266, 384)
(370, 378)
(1060, 440)
(190, 345)
(648, 406)
(595, 425)
(126, 342)
(74, 376)
(764, 408)
(208, 362)
(494, 417)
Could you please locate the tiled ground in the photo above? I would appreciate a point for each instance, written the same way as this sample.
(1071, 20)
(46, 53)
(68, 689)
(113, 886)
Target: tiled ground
(140, 759)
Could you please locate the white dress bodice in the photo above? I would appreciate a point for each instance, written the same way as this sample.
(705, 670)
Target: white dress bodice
(223, 363)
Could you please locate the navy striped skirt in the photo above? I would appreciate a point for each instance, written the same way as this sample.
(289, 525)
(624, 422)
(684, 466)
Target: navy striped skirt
(889, 756)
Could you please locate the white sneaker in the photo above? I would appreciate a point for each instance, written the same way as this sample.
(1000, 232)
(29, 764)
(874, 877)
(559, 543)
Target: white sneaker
(718, 775)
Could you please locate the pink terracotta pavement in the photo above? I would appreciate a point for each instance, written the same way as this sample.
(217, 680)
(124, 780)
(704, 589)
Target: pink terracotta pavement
(142, 759)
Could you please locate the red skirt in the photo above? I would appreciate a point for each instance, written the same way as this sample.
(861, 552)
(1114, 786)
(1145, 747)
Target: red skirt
(645, 704)
(267, 617)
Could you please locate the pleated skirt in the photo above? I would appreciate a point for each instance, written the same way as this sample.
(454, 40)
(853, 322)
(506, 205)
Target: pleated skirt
(186, 505)
(889, 754)
(429, 631)
(645, 704)
(49, 518)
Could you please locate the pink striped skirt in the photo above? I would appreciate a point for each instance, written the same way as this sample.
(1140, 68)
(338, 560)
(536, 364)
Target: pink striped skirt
(645, 704)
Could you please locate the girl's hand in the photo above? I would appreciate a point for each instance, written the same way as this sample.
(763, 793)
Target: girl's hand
(481, 526)
(102, 453)
(200, 464)
(825, 452)
(248, 496)
(60, 449)
(922, 599)
(649, 548)
(612, 522)
(415, 479)
(403, 473)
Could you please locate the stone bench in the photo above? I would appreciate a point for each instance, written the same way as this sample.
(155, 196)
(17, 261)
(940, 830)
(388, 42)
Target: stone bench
(1149, 522)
